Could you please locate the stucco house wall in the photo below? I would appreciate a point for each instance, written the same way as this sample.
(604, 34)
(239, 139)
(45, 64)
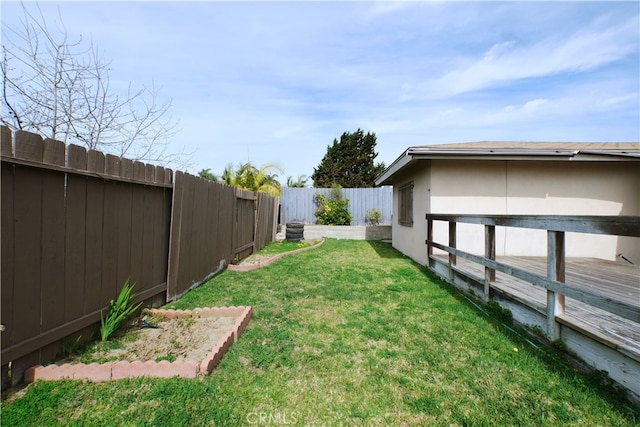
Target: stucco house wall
(536, 186)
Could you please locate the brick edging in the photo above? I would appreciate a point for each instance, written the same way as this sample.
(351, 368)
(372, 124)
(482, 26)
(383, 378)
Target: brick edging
(272, 259)
(164, 369)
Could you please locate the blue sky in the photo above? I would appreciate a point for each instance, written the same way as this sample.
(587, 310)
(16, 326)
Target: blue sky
(276, 82)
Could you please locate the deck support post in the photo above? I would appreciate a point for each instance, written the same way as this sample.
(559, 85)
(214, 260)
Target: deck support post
(429, 237)
(452, 243)
(555, 271)
(489, 253)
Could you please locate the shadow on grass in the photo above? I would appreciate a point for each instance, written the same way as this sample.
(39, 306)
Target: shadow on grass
(553, 357)
(385, 250)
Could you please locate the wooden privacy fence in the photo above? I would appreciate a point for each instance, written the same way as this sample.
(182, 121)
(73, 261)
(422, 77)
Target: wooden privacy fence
(76, 224)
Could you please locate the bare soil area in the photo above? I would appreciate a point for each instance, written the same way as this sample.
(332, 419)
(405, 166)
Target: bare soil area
(189, 338)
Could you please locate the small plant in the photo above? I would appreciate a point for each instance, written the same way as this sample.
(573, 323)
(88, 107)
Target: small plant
(71, 347)
(501, 313)
(373, 216)
(536, 329)
(333, 210)
(168, 357)
(118, 311)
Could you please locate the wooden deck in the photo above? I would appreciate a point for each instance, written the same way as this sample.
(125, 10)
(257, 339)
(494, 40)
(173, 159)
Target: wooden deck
(610, 280)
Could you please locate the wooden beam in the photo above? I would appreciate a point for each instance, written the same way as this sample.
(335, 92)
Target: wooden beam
(593, 224)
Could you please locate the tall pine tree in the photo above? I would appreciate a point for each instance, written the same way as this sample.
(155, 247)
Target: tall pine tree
(349, 162)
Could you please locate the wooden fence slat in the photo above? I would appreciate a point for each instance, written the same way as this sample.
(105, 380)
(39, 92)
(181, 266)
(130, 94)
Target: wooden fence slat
(75, 251)
(29, 146)
(124, 230)
(201, 267)
(139, 170)
(148, 214)
(112, 165)
(6, 141)
(27, 253)
(111, 235)
(54, 152)
(175, 236)
(186, 245)
(149, 173)
(126, 168)
(137, 229)
(53, 245)
(94, 224)
(8, 253)
(95, 161)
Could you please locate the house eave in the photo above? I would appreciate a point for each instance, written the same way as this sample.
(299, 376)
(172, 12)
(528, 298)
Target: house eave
(413, 154)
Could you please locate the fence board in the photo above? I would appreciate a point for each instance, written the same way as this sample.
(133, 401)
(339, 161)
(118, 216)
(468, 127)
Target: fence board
(94, 209)
(174, 237)
(7, 246)
(28, 234)
(54, 152)
(6, 142)
(75, 219)
(53, 250)
(110, 230)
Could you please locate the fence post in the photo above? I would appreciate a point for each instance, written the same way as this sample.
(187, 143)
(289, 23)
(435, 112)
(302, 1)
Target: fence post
(555, 271)
(489, 253)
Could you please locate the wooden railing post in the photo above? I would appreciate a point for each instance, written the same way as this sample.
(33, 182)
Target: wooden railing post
(489, 253)
(429, 237)
(555, 271)
(452, 242)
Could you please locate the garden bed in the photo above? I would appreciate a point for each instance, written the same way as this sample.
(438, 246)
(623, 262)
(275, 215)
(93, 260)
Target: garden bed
(182, 343)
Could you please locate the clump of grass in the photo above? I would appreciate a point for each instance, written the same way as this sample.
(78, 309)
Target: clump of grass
(118, 311)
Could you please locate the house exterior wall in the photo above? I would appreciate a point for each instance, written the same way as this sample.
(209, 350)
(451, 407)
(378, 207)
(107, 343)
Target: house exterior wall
(522, 187)
(411, 240)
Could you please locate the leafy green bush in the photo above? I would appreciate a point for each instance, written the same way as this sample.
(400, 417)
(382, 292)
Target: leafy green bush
(118, 311)
(333, 210)
(373, 216)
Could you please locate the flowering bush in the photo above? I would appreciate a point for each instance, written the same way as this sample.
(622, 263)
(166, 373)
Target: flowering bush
(332, 210)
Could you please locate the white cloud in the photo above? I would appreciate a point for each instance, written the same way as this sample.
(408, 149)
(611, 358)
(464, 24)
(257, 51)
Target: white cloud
(509, 61)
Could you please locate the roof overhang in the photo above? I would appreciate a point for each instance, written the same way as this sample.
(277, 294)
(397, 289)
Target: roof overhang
(416, 154)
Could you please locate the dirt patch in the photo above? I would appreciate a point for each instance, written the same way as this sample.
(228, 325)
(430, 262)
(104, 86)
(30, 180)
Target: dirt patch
(181, 339)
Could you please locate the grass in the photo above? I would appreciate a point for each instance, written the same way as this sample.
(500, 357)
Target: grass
(351, 333)
(274, 248)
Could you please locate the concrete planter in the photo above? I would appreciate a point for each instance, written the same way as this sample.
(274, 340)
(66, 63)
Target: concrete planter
(350, 232)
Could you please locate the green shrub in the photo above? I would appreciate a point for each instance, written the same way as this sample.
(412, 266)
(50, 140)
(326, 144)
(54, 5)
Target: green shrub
(373, 216)
(333, 210)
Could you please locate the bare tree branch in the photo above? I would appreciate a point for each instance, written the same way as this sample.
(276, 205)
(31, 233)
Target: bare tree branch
(61, 90)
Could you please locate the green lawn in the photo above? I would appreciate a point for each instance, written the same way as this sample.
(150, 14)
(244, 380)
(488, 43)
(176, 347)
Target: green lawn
(350, 333)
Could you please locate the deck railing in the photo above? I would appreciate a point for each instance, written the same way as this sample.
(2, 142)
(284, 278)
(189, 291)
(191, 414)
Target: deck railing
(554, 282)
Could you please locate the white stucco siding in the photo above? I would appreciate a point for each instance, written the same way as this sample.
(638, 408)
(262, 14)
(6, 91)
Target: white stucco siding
(411, 240)
(522, 187)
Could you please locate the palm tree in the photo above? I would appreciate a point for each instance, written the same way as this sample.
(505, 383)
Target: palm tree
(300, 183)
(249, 177)
(207, 174)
